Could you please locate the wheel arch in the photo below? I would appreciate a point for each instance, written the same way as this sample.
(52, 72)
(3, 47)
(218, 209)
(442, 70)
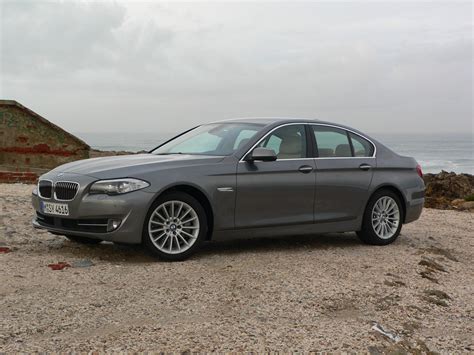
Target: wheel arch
(199, 195)
(396, 191)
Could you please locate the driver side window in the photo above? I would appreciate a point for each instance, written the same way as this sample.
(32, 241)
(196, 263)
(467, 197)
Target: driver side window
(288, 142)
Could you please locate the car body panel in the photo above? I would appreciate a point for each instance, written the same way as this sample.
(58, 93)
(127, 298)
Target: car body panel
(342, 187)
(246, 198)
(274, 193)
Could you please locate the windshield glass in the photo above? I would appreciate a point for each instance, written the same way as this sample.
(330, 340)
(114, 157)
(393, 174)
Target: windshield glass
(212, 139)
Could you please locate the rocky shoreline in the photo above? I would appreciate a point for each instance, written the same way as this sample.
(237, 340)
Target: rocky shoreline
(449, 191)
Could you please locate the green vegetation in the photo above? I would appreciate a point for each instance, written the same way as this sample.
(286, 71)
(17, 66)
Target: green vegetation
(469, 197)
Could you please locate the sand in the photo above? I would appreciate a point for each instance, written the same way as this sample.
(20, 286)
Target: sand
(319, 293)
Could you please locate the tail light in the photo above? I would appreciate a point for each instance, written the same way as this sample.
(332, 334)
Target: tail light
(419, 171)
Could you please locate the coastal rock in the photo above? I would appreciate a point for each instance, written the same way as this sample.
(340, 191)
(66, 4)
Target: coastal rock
(448, 190)
(467, 206)
(458, 202)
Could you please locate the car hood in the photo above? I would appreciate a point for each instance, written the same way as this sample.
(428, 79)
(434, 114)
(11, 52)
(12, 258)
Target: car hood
(130, 165)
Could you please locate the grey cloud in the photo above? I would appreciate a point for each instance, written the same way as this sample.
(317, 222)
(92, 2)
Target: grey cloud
(376, 66)
(52, 38)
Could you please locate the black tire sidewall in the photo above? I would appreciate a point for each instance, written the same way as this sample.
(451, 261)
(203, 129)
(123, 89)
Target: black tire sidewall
(367, 233)
(191, 201)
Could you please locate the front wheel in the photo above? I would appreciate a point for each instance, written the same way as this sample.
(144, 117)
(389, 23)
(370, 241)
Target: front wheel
(175, 226)
(382, 220)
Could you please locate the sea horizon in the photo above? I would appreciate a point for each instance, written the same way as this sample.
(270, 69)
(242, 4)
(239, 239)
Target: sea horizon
(434, 152)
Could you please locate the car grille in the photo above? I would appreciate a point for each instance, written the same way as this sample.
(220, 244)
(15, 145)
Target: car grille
(65, 191)
(45, 188)
(95, 225)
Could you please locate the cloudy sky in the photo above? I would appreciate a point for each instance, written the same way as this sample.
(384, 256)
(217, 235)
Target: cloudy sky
(114, 66)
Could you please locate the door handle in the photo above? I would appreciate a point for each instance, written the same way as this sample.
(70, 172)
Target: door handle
(365, 167)
(305, 169)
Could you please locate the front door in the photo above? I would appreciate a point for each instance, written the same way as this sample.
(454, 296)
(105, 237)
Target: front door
(280, 192)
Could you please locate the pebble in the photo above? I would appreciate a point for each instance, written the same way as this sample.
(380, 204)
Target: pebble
(237, 296)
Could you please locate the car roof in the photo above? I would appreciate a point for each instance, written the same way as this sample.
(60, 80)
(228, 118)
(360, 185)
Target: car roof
(267, 120)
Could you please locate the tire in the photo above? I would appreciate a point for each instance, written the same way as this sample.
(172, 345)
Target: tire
(175, 226)
(83, 240)
(383, 219)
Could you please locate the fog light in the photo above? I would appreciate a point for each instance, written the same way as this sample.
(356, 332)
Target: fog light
(113, 224)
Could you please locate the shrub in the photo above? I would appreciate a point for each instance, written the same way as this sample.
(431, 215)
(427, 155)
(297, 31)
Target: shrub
(469, 197)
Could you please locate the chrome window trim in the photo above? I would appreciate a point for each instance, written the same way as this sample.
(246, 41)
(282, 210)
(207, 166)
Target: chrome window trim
(71, 182)
(374, 155)
(52, 189)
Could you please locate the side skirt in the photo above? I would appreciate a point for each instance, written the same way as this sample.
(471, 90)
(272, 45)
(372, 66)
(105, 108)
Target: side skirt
(304, 229)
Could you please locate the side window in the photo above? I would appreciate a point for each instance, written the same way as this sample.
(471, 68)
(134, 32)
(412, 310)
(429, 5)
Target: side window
(332, 142)
(288, 142)
(362, 147)
(243, 138)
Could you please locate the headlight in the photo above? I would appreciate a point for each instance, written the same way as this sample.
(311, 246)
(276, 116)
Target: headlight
(117, 186)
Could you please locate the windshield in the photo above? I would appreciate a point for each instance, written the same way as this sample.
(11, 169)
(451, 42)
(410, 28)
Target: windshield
(212, 139)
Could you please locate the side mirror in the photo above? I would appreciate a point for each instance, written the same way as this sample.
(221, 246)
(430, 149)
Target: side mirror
(262, 154)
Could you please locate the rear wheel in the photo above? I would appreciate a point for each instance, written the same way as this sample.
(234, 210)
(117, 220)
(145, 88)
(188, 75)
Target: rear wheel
(382, 221)
(175, 226)
(83, 240)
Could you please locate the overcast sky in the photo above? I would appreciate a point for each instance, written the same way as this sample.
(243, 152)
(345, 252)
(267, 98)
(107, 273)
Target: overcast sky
(140, 67)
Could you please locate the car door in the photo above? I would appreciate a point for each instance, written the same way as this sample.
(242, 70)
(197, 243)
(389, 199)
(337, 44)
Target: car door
(279, 192)
(344, 169)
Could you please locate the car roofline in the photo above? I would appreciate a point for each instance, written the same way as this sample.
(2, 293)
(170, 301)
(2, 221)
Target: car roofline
(276, 121)
(267, 120)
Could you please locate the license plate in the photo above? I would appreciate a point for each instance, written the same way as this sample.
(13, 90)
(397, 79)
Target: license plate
(60, 209)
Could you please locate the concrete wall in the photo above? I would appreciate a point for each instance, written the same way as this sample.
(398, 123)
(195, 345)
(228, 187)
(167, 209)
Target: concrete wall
(29, 143)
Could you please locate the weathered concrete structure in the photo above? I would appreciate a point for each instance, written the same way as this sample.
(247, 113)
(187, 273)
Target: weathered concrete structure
(31, 145)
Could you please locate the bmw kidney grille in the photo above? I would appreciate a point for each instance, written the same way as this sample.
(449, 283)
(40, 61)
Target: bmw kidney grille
(65, 191)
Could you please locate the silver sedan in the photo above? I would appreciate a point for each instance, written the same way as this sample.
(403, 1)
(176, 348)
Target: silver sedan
(243, 177)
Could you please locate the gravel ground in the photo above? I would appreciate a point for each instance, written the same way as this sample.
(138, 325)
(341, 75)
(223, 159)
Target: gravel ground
(320, 293)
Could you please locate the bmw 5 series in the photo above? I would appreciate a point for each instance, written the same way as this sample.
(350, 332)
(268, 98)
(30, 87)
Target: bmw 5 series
(236, 178)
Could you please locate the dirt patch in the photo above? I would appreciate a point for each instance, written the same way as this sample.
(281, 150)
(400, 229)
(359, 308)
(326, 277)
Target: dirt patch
(429, 275)
(312, 293)
(447, 253)
(431, 264)
(437, 297)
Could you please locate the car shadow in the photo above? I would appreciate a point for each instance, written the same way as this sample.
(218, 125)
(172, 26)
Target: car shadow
(65, 250)
(285, 243)
(136, 254)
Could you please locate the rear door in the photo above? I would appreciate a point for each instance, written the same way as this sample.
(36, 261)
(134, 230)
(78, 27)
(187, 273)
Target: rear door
(280, 192)
(344, 169)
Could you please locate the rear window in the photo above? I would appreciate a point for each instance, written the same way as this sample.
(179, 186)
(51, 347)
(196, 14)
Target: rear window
(362, 147)
(332, 142)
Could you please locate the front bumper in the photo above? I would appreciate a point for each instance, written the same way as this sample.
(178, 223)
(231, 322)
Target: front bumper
(88, 213)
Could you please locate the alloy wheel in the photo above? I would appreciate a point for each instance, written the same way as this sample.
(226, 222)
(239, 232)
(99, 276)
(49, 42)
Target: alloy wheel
(173, 227)
(385, 217)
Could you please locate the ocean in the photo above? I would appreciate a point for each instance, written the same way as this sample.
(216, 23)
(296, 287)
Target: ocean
(451, 152)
